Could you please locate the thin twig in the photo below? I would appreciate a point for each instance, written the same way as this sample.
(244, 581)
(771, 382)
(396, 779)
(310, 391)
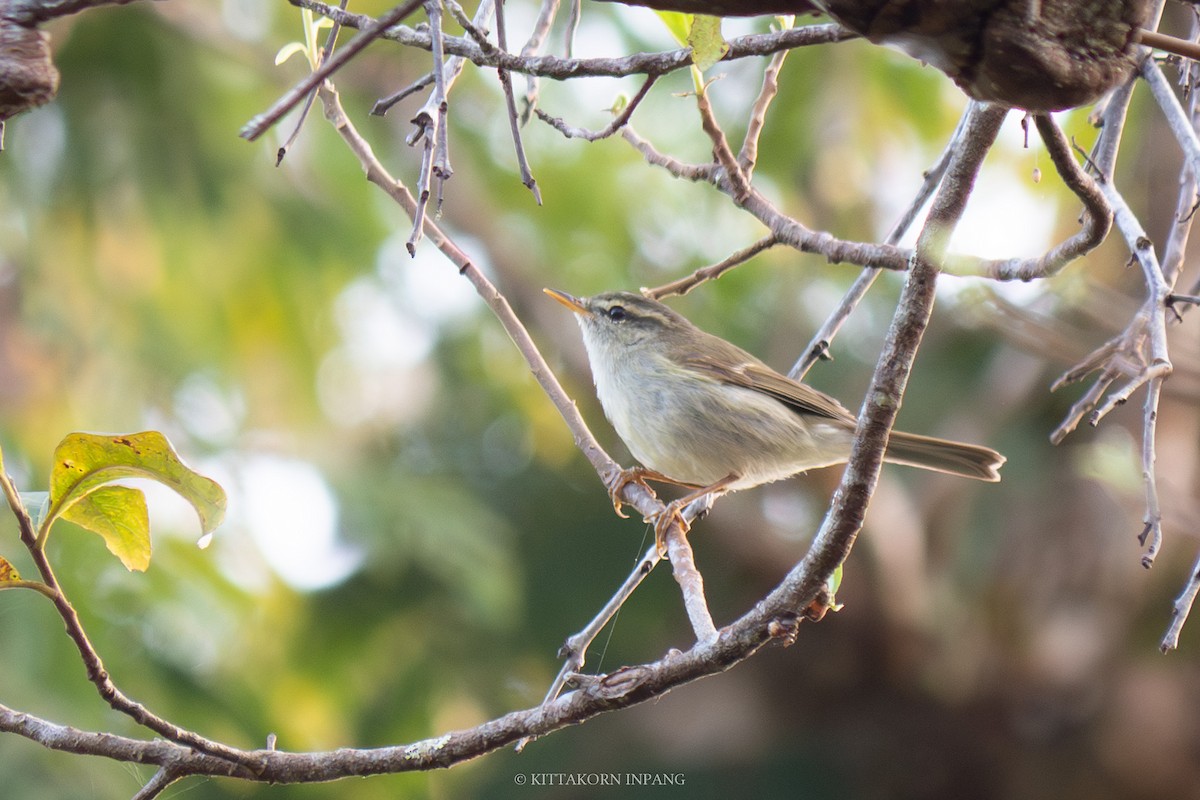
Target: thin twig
(574, 650)
(326, 51)
(261, 123)
(573, 21)
(511, 103)
(750, 46)
(453, 67)
(739, 182)
(619, 121)
(748, 157)
(36, 586)
(690, 172)
(1175, 251)
(1181, 608)
(818, 346)
(384, 104)
(1148, 332)
(1151, 538)
(162, 779)
(474, 31)
(1097, 217)
(1170, 44)
(1178, 120)
(533, 45)
(430, 126)
(711, 272)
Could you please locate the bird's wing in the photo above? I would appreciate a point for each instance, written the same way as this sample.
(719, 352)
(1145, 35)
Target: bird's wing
(751, 373)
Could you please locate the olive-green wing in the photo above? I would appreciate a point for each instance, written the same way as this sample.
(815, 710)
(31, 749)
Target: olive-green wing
(730, 364)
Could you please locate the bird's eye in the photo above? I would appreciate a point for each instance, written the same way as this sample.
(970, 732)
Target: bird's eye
(617, 313)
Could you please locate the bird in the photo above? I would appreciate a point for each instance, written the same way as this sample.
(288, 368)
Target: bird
(698, 411)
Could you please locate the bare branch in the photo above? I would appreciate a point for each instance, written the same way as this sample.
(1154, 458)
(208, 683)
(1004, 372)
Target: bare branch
(157, 784)
(748, 157)
(533, 46)
(818, 346)
(29, 14)
(712, 272)
(514, 123)
(753, 45)
(608, 130)
(691, 172)
(430, 122)
(683, 567)
(1181, 608)
(326, 51)
(836, 537)
(260, 124)
(574, 649)
(1179, 121)
(1097, 214)
(738, 181)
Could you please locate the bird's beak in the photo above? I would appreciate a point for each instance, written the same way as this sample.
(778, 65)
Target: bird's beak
(571, 302)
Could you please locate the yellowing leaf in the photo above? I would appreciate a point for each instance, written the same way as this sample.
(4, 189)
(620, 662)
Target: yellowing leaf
(119, 515)
(84, 465)
(678, 23)
(287, 51)
(707, 43)
(7, 571)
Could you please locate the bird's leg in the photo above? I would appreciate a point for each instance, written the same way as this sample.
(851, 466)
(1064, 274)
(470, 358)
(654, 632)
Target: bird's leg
(638, 475)
(673, 511)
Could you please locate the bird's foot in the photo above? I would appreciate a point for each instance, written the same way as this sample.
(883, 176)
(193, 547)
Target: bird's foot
(662, 523)
(622, 479)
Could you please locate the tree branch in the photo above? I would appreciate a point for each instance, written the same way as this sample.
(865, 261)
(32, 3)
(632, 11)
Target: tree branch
(660, 63)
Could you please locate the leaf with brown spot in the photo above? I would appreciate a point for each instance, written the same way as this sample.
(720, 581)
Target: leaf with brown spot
(85, 466)
(7, 571)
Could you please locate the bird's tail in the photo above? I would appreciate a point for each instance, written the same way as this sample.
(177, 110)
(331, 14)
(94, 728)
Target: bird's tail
(942, 455)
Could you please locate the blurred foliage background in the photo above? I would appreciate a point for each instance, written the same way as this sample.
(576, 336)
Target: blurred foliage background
(412, 533)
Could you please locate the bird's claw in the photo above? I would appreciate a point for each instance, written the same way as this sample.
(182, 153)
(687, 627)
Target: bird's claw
(662, 523)
(620, 481)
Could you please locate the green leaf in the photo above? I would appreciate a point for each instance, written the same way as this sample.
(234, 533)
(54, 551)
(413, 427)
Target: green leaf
(84, 465)
(832, 585)
(678, 23)
(707, 43)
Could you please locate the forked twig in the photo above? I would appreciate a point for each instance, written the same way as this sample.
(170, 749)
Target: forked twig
(326, 51)
(93, 664)
(818, 346)
(748, 156)
(372, 31)
(619, 121)
(1138, 356)
(1097, 215)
